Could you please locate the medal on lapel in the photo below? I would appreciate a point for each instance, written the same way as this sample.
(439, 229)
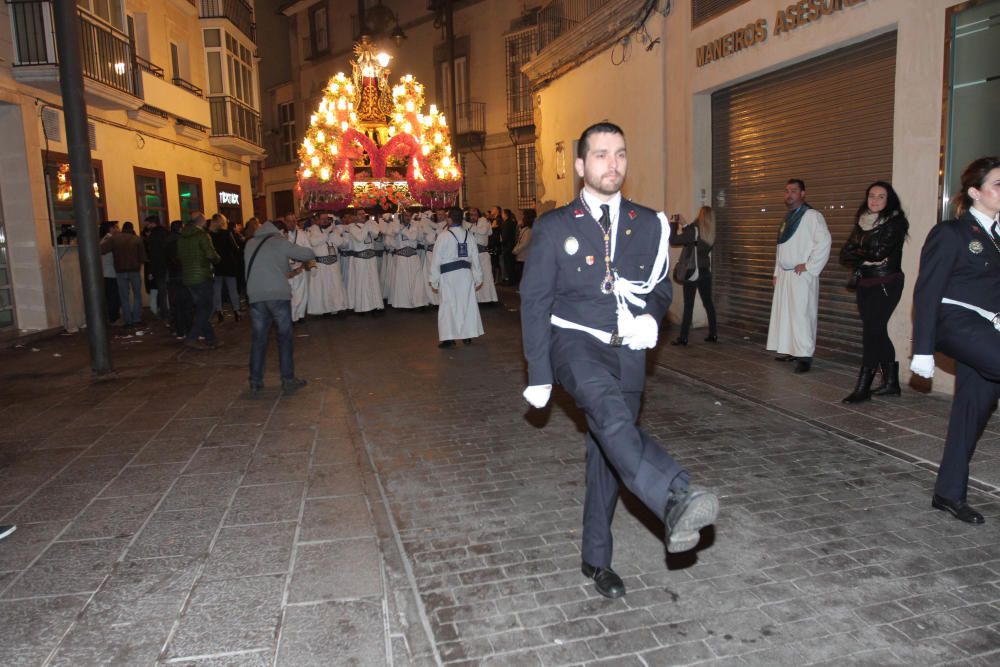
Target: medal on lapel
(590, 260)
(631, 214)
(571, 245)
(577, 213)
(975, 247)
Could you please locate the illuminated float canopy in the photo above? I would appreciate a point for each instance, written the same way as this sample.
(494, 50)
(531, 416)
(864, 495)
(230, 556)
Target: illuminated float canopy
(370, 146)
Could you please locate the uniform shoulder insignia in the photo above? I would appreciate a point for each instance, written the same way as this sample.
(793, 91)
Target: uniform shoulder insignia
(632, 214)
(578, 213)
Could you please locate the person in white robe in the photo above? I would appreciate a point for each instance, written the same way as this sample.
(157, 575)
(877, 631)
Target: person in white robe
(456, 274)
(387, 268)
(802, 253)
(298, 272)
(481, 228)
(408, 288)
(430, 230)
(364, 293)
(326, 286)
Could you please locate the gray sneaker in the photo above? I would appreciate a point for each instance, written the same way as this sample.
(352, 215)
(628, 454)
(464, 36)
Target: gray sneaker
(7, 530)
(687, 512)
(291, 385)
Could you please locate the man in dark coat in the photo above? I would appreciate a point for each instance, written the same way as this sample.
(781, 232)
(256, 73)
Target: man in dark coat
(592, 298)
(155, 237)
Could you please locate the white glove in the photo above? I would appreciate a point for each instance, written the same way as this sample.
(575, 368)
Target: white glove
(923, 365)
(538, 395)
(645, 332)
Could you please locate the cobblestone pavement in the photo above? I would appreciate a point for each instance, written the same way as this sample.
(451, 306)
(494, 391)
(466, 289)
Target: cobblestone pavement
(407, 508)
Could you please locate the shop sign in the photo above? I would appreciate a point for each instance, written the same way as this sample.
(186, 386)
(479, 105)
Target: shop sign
(788, 19)
(229, 198)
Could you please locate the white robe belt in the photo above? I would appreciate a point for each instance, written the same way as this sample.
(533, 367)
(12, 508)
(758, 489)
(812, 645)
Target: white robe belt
(994, 318)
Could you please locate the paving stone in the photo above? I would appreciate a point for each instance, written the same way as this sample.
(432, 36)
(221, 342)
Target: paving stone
(266, 503)
(246, 551)
(220, 459)
(335, 518)
(30, 629)
(94, 642)
(193, 491)
(112, 517)
(177, 533)
(229, 616)
(68, 568)
(307, 640)
(344, 569)
(140, 480)
(54, 503)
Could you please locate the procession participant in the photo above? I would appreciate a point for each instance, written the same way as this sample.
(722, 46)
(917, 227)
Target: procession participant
(364, 293)
(803, 250)
(430, 229)
(326, 287)
(407, 290)
(481, 228)
(955, 301)
(592, 298)
(346, 218)
(298, 272)
(456, 275)
(387, 270)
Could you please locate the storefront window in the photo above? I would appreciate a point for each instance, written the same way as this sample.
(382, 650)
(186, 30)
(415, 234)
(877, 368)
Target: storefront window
(60, 192)
(974, 93)
(151, 195)
(190, 196)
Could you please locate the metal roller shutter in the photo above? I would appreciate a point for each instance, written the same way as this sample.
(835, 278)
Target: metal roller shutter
(827, 121)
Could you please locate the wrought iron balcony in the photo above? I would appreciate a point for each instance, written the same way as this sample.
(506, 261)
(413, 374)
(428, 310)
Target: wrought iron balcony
(106, 54)
(239, 13)
(561, 16)
(188, 86)
(235, 125)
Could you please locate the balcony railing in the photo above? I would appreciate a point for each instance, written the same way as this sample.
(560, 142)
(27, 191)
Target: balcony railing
(233, 118)
(471, 118)
(147, 66)
(107, 55)
(561, 16)
(187, 85)
(239, 13)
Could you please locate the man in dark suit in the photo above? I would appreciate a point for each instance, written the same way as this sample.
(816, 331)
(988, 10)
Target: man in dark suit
(956, 302)
(592, 298)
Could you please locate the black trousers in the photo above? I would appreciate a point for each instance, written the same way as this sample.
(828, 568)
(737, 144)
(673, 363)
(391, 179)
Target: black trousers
(607, 384)
(112, 300)
(704, 287)
(875, 305)
(974, 344)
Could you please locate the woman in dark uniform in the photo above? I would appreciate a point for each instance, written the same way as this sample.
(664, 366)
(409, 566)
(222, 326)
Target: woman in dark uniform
(956, 301)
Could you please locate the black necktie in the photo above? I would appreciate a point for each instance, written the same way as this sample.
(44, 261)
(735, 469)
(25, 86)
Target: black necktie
(996, 234)
(605, 221)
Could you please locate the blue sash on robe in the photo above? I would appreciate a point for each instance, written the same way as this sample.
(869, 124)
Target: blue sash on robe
(791, 223)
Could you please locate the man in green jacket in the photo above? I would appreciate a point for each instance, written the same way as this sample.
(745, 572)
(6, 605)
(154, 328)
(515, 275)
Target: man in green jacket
(197, 255)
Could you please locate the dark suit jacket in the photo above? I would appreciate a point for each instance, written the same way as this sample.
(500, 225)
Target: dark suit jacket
(959, 261)
(569, 285)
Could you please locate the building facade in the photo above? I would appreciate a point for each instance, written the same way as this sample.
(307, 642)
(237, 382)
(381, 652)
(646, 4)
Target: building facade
(173, 115)
(724, 100)
(492, 135)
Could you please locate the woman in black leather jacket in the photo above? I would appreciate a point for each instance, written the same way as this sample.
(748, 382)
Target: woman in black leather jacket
(875, 252)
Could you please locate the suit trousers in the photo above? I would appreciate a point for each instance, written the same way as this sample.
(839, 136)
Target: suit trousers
(606, 384)
(972, 342)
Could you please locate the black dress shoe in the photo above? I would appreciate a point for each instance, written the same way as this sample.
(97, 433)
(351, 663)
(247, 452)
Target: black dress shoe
(712, 339)
(784, 357)
(802, 366)
(687, 512)
(606, 581)
(467, 341)
(960, 510)
(445, 344)
(679, 341)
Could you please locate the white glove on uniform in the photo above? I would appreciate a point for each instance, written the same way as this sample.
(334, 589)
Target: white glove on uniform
(645, 332)
(538, 395)
(923, 365)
